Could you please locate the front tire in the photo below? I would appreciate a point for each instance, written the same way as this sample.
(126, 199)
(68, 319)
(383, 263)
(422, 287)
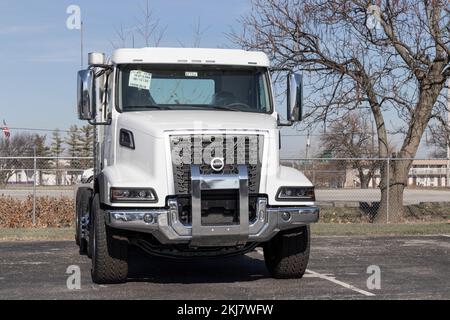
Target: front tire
(109, 253)
(287, 254)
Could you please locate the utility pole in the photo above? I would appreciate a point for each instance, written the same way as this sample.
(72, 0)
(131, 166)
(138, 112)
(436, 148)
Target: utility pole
(308, 144)
(82, 45)
(34, 186)
(373, 139)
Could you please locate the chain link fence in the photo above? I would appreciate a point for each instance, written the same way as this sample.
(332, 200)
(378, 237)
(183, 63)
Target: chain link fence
(359, 187)
(25, 172)
(22, 178)
(347, 189)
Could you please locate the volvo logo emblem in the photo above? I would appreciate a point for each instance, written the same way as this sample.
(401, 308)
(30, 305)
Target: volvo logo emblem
(217, 164)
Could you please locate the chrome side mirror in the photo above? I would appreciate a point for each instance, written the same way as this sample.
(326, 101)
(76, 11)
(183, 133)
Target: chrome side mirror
(295, 97)
(86, 95)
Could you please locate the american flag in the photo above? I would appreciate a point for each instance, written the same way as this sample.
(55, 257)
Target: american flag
(5, 130)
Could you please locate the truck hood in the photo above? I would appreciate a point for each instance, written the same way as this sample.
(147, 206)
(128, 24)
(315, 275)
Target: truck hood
(156, 122)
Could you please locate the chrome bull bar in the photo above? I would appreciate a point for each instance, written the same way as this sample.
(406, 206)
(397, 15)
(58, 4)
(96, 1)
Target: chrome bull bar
(219, 235)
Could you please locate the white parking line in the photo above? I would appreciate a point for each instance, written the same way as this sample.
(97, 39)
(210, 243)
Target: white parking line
(313, 274)
(31, 263)
(345, 285)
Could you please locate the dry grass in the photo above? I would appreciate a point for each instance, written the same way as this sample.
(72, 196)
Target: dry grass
(37, 234)
(373, 229)
(51, 212)
(318, 229)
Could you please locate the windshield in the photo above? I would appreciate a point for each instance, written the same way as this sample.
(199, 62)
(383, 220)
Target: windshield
(187, 87)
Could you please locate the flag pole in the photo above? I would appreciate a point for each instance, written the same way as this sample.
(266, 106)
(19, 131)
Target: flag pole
(81, 44)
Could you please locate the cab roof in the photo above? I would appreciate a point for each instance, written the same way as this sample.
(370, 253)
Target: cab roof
(190, 56)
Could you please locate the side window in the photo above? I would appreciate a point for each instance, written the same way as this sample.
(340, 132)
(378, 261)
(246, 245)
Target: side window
(109, 96)
(104, 94)
(263, 93)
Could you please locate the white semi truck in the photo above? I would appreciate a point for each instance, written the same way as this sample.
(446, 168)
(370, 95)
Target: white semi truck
(187, 161)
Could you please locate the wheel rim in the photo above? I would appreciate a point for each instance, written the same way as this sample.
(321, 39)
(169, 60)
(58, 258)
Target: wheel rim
(94, 243)
(77, 225)
(77, 228)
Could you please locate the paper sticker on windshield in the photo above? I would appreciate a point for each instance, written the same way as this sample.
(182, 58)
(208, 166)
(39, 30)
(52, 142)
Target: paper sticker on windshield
(140, 79)
(191, 74)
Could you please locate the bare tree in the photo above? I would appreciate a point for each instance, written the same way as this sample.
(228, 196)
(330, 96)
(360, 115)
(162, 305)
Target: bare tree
(18, 145)
(197, 34)
(57, 149)
(389, 58)
(440, 139)
(149, 27)
(351, 137)
(42, 151)
(122, 36)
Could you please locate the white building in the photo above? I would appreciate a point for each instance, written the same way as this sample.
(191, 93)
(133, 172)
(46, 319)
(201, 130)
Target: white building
(432, 173)
(429, 173)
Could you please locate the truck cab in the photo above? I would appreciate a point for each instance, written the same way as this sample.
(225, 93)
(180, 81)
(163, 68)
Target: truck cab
(187, 161)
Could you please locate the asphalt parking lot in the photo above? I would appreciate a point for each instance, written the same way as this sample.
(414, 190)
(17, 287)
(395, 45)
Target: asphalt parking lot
(412, 267)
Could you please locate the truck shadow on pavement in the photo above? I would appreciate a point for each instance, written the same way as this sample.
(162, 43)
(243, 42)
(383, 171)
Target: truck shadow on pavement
(146, 268)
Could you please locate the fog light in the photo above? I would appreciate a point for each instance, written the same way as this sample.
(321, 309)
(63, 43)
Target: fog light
(286, 216)
(148, 218)
(262, 215)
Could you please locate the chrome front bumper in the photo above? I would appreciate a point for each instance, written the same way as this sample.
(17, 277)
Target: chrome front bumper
(165, 225)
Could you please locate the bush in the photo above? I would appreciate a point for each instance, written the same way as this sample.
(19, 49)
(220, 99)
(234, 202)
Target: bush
(51, 212)
(422, 212)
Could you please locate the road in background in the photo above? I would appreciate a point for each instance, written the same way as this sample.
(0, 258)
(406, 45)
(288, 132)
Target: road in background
(412, 196)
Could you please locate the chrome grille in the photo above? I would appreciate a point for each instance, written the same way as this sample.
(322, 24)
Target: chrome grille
(199, 149)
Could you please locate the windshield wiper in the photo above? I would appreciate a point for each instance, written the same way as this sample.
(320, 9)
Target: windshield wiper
(225, 108)
(140, 108)
(209, 106)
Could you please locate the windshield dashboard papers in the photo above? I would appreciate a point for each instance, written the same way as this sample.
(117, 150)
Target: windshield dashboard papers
(140, 79)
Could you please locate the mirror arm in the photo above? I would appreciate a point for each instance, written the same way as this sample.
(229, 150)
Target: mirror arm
(105, 68)
(288, 123)
(105, 123)
(101, 66)
(285, 124)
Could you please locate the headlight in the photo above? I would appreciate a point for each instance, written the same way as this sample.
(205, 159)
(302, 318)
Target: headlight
(296, 194)
(133, 195)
